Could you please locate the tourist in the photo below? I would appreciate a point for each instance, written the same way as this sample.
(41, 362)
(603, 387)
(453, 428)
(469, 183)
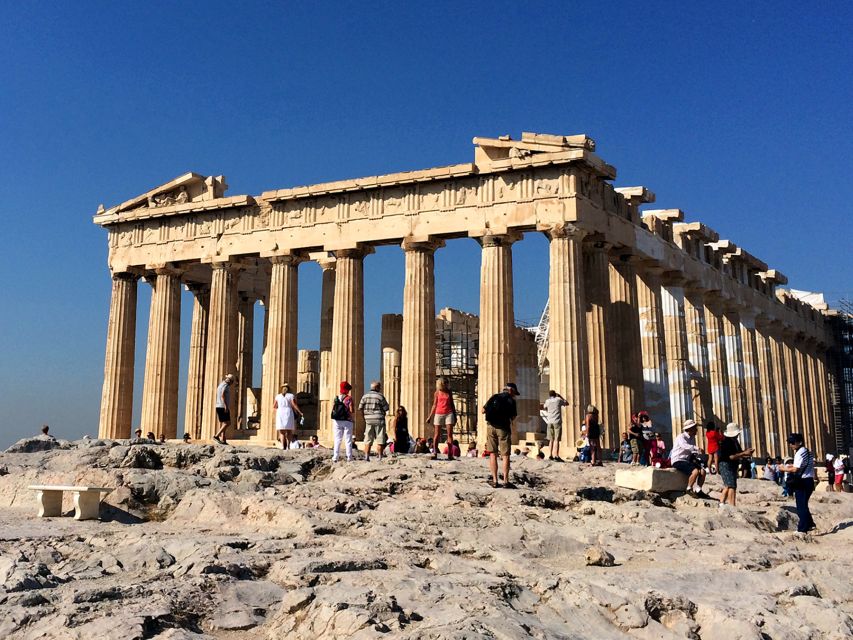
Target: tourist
(314, 442)
(342, 417)
(500, 411)
(801, 475)
(286, 409)
(625, 449)
(685, 459)
(593, 434)
(453, 450)
(769, 470)
(730, 456)
(786, 492)
(373, 408)
(830, 472)
(45, 432)
(186, 438)
(472, 450)
(442, 415)
(838, 467)
(657, 453)
(421, 446)
(223, 402)
(635, 437)
(137, 437)
(552, 409)
(712, 440)
(151, 437)
(648, 435)
(401, 431)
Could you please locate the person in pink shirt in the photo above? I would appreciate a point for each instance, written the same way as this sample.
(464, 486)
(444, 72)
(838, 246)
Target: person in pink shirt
(442, 415)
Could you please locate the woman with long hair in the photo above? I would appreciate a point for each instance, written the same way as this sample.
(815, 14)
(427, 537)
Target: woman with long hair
(401, 431)
(285, 421)
(442, 414)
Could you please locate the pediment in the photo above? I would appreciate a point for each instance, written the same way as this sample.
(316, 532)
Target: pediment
(189, 187)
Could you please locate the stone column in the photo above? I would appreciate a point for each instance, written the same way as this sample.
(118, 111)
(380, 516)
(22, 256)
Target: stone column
(245, 354)
(281, 363)
(783, 396)
(697, 347)
(221, 340)
(326, 390)
(808, 400)
(117, 393)
(754, 409)
(347, 359)
(567, 348)
(731, 328)
(596, 271)
(392, 347)
(655, 383)
(497, 321)
(195, 371)
(677, 356)
(767, 382)
(717, 366)
(307, 375)
(417, 370)
(822, 384)
(792, 378)
(160, 391)
(625, 321)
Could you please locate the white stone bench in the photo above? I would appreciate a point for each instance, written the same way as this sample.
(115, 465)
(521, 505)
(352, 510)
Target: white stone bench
(87, 500)
(651, 479)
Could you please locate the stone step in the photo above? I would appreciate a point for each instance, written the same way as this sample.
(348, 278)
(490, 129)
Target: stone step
(651, 479)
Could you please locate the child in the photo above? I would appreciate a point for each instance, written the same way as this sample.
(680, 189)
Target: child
(713, 438)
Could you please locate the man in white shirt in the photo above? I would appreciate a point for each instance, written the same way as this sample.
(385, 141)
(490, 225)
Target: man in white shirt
(553, 416)
(685, 459)
(803, 484)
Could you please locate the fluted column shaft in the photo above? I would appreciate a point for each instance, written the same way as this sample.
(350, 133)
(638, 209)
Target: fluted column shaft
(808, 400)
(754, 409)
(783, 395)
(655, 380)
(347, 357)
(417, 370)
(326, 390)
(792, 374)
(734, 353)
(497, 321)
(822, 382)
(245, 353)
(117, 393)
(221, 340)
(600, 353)
(567, 350)
(697, 347)
(195, 371)
(281, 357)
(767, 381)
(677, 357)
(160, 390)
(717, 366)
(627, 349)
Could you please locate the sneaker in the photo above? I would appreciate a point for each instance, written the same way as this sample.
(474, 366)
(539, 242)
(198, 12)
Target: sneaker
(334, 460)
(367, 458)
(558, 459)
(218, 440)
(701, 494)
(509, 485)
(550, 457)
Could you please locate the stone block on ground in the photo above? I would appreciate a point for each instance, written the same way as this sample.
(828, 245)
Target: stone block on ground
(651, 479)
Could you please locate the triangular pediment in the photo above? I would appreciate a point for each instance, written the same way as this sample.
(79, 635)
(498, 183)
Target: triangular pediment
(189, 187)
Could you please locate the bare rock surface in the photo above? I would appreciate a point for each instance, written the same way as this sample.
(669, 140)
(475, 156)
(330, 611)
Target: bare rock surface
(202, 542)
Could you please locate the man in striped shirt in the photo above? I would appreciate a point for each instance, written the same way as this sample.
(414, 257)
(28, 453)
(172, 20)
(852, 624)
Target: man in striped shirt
(373, 407)
(803, 482)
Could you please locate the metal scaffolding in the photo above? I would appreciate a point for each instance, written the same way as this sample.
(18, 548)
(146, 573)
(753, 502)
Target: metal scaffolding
(457, 344)
(840, 369)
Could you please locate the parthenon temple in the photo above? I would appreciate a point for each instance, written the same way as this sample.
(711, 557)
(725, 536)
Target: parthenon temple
(647, 310)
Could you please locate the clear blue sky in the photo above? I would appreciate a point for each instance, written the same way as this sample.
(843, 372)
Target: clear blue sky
(738, 113)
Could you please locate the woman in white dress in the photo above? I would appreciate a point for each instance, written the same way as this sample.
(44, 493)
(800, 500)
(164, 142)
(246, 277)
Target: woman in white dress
(285, 420)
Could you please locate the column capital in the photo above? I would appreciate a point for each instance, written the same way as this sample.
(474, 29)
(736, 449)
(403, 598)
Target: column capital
(594, 243)
(563, 230)
(197, 288)
(327, 262)
(128, 276)
(428, 245)
(230, 265)
(488, 239)
(673, 278)
(293, 259)
(360, 251)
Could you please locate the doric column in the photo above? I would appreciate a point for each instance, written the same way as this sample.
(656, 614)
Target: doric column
(677, 356)
(117, 393)
(596, 271)
(808, 401)
(734, 353)
(195, 371)
(754, 409)
(245, 354)
(160, 391)
(783, 396)
(567, 347)
(417, 370)
(326, 390)
(822, 385)
(717, 365)
(655, 383)
(697, 347)
(307, 375)
(625, 321)
(767, 381)
(497, 321)
(221, 340)
(281, 363)
(392, 347)
(347, 360)
(792, 378)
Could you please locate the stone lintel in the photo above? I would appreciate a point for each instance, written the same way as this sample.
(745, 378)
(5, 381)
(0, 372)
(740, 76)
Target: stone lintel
(696, 230)
(664, 215)
(723, 247)
(773, 276)
(636, 195)
(748, 259)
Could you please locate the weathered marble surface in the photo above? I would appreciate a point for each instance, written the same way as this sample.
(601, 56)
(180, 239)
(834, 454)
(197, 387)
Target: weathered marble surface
(204, 542)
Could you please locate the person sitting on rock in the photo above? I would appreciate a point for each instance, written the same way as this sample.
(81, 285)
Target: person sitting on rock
(314, 442)
(137, 437)
(769, 470)
(657, 452)
(472, 450)
(186, 438)
(625, 454)
(685, 459)
(45, 433)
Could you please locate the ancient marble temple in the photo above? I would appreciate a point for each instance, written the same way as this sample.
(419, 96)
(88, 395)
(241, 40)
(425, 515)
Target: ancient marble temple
(647, 310)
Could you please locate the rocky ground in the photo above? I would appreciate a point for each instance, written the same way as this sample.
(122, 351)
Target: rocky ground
(219, 542)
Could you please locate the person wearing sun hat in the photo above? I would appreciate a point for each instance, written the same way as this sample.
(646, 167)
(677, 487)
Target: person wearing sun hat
(730, 454)
(685, 459)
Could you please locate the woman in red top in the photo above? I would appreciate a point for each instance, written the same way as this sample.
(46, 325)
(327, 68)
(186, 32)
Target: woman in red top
(442, 414)
(713, 438)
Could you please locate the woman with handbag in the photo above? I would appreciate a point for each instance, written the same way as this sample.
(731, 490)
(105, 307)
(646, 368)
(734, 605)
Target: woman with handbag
(801, 477)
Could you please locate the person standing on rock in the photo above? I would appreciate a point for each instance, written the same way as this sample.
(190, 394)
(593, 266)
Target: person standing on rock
(685, 459)
(553, 408)
(500, 411)
(801, 476)
(285, 419)
(730, 455)
(374, 407)
(713, 439)
(442, 415)
(635, 438)
(593, 434)
(401, 431)
(342, 418)
(223, 402)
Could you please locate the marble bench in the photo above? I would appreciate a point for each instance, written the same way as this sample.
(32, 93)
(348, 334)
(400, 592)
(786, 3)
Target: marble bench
(87, 500)
(651, 479)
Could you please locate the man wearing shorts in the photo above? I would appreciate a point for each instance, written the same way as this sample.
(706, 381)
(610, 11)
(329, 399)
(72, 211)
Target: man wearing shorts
(685, 459)
(373, 407)
(223, 403)
(500, 411)
(553, 410)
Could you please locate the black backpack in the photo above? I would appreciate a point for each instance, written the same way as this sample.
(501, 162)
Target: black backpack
(339, 410)
(495, 409)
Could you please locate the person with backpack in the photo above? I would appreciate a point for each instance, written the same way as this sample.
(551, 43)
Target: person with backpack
(800, 481)
(342, 421)
(500, 411)
(374, 407)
